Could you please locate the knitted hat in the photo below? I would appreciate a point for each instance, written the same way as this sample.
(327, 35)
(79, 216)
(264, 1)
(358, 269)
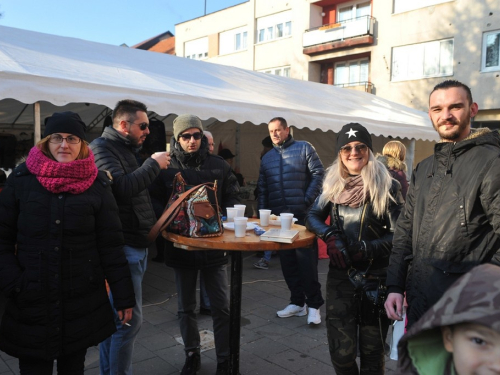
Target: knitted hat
(185, 122)
(353, 132)
(65, 122)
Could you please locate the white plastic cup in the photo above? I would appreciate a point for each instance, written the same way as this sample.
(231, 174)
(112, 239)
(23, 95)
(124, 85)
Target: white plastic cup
(241, 209)
(286, 221)
(240, 226)
(264, 217)
(231, 214)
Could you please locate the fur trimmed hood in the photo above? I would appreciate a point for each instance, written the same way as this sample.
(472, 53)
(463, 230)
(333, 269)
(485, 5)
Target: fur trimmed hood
(391, 162)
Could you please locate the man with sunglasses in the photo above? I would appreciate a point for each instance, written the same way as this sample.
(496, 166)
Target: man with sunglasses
(191, 157)
(116, 151)
(290, 179)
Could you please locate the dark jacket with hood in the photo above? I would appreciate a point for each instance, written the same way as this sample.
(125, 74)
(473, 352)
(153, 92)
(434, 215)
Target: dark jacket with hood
(114, 153)
(196, 168)
(55, 252)
(290, 178)
(397, 169)
(474, 298)
(451, 220)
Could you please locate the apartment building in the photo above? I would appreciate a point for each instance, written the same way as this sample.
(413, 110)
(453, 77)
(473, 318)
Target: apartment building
(395, 49)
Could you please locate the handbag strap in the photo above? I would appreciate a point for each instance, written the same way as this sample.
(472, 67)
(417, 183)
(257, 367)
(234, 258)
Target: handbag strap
(169, 214)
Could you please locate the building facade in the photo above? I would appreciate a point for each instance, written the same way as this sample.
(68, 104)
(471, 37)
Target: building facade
(396, 49)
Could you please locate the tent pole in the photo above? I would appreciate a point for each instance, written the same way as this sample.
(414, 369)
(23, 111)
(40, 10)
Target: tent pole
(37, 122)
(410, 158)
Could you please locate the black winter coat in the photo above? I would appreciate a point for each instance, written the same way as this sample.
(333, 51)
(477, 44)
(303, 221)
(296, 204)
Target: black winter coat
(196, 168)
(290, 178)
(451, 220)
(55, 252)
(114, 153)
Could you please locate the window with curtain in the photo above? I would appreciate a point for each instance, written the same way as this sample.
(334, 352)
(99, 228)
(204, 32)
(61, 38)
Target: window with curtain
(351, 73)
(491, 51)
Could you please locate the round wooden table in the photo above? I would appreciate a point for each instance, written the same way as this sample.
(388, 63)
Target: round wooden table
(237, 245)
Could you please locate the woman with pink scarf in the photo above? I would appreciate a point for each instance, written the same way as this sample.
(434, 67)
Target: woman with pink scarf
(363, 203)
(60, 239)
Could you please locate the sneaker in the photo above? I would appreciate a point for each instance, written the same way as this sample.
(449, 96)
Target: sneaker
(292, 310)
(222, 368)
(192, 364)
(314, 316)
(262, 264)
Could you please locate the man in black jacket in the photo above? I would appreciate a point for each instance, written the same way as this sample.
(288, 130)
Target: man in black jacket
(116, 151)
(190, 157)
(451, 220)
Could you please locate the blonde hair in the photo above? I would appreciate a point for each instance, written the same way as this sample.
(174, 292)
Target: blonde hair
(377, 183)
(395, 149)
(43, 145)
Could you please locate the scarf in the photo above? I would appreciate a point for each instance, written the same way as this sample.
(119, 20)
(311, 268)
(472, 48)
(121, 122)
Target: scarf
(352, 195)
(74, 177)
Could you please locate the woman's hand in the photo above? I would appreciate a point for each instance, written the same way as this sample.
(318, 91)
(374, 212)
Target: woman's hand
(359, 250)
(125, 315)
(336, 257)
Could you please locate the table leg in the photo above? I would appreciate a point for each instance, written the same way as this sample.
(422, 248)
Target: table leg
(235, 313)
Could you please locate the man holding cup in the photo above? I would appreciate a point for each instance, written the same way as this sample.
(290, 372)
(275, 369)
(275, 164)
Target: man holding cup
(290, 179)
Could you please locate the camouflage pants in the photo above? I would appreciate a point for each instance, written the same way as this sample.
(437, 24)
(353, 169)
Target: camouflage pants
(345, 334)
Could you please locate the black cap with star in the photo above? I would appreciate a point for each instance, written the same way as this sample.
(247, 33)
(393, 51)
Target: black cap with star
(351, 133)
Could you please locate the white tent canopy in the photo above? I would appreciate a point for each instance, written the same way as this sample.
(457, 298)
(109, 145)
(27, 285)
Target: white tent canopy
(59, 70)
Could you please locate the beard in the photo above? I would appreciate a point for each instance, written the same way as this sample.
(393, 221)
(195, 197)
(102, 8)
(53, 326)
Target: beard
(450, 135)
(135, 141)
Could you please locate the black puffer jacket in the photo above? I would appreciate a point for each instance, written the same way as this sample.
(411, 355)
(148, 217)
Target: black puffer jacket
(197, 168)
(55, 251)
(360, 224)
(290, 178)
(451, 220)
(115, 154)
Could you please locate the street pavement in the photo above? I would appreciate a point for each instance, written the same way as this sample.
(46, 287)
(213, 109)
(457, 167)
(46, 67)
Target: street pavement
(269, 345)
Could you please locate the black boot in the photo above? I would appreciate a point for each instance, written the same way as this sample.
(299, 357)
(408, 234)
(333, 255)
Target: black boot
(222, 368)
(192, 364)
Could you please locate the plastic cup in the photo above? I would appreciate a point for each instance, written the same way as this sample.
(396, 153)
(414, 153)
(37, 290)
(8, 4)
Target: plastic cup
(264, 217)
(240, 226)
(286, 221)
(241, 209)
(231, 214)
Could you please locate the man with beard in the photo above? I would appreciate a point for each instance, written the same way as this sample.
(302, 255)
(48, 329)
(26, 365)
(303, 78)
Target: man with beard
(451, 220)
(116, 152)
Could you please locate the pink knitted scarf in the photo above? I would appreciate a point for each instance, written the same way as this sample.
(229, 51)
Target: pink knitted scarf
(74, 177)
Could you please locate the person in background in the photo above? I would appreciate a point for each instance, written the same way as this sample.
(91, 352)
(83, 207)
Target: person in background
(228, 156)
(459, 334)
(60, 238)
(363, 203)
(210, 139)
(290, 179)
(393, 157)
(117, 151)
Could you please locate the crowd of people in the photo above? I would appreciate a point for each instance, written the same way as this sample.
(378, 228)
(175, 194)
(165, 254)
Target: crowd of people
(74, 247)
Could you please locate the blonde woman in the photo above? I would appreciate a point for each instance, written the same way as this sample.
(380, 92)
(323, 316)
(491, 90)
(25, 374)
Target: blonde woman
(363, 202)
(393, 157)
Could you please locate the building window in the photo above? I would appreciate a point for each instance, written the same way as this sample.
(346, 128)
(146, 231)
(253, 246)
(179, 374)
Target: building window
(424, 60)
(351, 73)
(279, 71)
(407, 5)
(353, 11)
(491, 51)
(233, 40)
(274, 26)
(196, 49)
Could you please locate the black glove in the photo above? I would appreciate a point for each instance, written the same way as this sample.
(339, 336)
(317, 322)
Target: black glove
(334, 248)
(359, 250)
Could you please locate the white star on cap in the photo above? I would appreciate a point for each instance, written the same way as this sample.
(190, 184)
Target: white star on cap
(352, 133)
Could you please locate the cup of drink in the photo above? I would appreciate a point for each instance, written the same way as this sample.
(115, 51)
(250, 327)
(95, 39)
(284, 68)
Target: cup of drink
(286, 221)
(240, 226)
(231, 213)
(264, 217)
(241, 209)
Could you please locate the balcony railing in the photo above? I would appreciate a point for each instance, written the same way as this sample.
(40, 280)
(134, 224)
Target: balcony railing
(339, 31)
(358, 86)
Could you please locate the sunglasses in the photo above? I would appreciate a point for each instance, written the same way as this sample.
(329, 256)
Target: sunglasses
(346, 150)
(197, 136)
(143, 126)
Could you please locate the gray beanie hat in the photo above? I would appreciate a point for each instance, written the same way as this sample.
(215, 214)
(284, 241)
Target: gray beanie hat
(185, 122)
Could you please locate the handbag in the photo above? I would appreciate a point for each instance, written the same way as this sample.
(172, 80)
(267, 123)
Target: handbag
(189, 213)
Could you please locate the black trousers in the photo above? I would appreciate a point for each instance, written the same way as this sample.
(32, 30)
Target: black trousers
(71, 364)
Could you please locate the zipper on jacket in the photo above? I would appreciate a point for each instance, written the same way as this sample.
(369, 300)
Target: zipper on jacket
(362, 221)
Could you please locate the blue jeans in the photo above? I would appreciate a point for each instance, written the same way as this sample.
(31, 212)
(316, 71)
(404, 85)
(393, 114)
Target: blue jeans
(115, 353)
(267, 255)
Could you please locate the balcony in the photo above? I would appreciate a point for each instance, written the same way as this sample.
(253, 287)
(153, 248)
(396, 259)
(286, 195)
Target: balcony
(353, 32)
(358, 86)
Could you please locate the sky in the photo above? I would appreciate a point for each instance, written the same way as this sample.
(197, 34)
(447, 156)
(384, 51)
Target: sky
(105, 21)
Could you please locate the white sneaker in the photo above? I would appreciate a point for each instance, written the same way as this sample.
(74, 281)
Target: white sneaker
(292, 310)
(314, 316)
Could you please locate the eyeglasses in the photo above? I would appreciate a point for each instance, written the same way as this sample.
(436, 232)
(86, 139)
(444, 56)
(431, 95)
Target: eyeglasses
(143, 126)
(71, 139)
(197, 136)
(346, 150)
